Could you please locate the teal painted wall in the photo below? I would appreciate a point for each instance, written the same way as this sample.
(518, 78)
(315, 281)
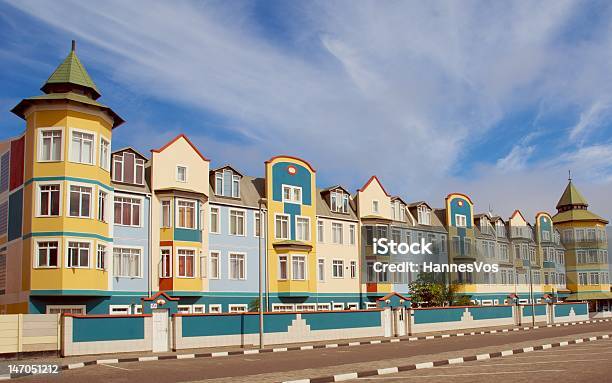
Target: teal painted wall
(211, 325)
(493, 312)
(438, 315)
(564, 310)
(342, 320)
(539, 310)
(107, 328)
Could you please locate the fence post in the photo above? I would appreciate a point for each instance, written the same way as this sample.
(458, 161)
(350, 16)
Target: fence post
(19, 333)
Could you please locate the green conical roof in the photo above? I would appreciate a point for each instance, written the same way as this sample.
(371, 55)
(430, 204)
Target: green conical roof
(571, 196)
(71, 72)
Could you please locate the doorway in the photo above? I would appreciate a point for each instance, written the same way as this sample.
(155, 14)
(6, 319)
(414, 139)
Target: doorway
(160, 330)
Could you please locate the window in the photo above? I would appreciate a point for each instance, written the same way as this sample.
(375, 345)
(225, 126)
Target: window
(185, 214)
(546, 235)
(306, 307)
(238, 308)
(66, 309)
(50, 145)
(214, 308)
(237, 266)
(78, 254)
(320, 231)
(460, 220)
(281, 227)
(236, 186)
(323, 307)
(292, 194)
(337, 268)
(215, 272)
(351, 234)
(166, 263)
(82, 148)
(102, 206)
(339, 202)
(3, 217)
(2, 272)
(101, 257)
(594, 278)
(165, 214)
(353, 269)
(214, 220)
(375, 207)
(47, 252)
(257, 216)
(127, 262)
(298, 267)
(337, 233)
(282, 267)
(49, 200)
(104, 154)
(302, 228)
(80, 201)
(219, 183)
(181, 173)
(236, 222)
(5, 171)
(186, 260)
(199, 309)
(184, 309)
(321, 270)
(582, 279)
(203, 266)
(423, 215)
(119, 309)
(128, 169)
(277, 307)
(127, 211)
(338, 306)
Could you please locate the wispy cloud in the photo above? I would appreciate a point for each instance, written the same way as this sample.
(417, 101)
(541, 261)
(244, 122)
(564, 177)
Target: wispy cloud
(406, 90)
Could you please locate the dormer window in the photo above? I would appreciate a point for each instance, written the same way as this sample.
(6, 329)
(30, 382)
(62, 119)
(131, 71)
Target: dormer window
(339, 202)
(500, 228)
(424, 215)
(227, 183)
(128, 169)
(397, 210)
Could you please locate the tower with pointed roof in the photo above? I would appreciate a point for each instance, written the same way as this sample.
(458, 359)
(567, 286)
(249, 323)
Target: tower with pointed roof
(583, 233)
(61, 243)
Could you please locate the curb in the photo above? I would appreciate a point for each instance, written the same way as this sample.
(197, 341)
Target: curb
(444, 362)
(148, 358)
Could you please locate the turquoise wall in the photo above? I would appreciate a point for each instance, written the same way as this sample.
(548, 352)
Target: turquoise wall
(330, 321)
(211, 325)
(491, 312)
(438, 315)
(539, 310)
(564, 310)
(107, 328)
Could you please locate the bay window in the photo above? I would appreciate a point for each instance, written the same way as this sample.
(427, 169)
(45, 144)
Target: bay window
(186, 214)
(186, 260)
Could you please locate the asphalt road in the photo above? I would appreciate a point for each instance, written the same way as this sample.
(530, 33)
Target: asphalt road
(586, 362)
(281, 365)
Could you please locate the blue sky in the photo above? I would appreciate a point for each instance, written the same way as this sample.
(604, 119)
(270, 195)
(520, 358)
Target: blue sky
(494, 99)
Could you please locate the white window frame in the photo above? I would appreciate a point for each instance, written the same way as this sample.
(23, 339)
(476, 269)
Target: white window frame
(217, 272)
(371, 305)
(140, 209)
(217, 220)
(352, 306)
(184, 309)
(215, 308)
(94, 152)
(163, 204)
(102, 211)
(105, 257)
(67, 252)
(352, 234)
(120, 307)
(137, 310)
(177, 213)
(177, 173)
(83, 308)
(38, 197)
(341, 276)
(321, 270)
(195, 259)
(338, 306)
(376, 206)
(243, 308)
(196, 307)
(305, 267)
(323, 306)
(288, 226)
(229, 264)
(219, 177)
(235, 186)
(161, 260)
(106, 166)
(340, 240)
(40, 146)
(460, 217)
(292, 198)
(257, 226)
(320, 231)
(229, 222)
(93, 195)
(308, 235)
(141, 266)
(353, 269)
(283, 307)
(59, 252)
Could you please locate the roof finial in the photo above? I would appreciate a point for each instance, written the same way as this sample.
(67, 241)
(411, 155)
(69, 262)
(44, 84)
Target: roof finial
(73, 45)
(569, 175)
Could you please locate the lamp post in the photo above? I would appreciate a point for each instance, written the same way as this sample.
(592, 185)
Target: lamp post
(261, 279)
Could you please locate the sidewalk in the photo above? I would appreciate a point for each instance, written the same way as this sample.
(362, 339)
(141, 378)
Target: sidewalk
(85, 360)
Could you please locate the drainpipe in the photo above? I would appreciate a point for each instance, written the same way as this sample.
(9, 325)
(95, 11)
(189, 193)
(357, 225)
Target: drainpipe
(150, 250)
(261, 280)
